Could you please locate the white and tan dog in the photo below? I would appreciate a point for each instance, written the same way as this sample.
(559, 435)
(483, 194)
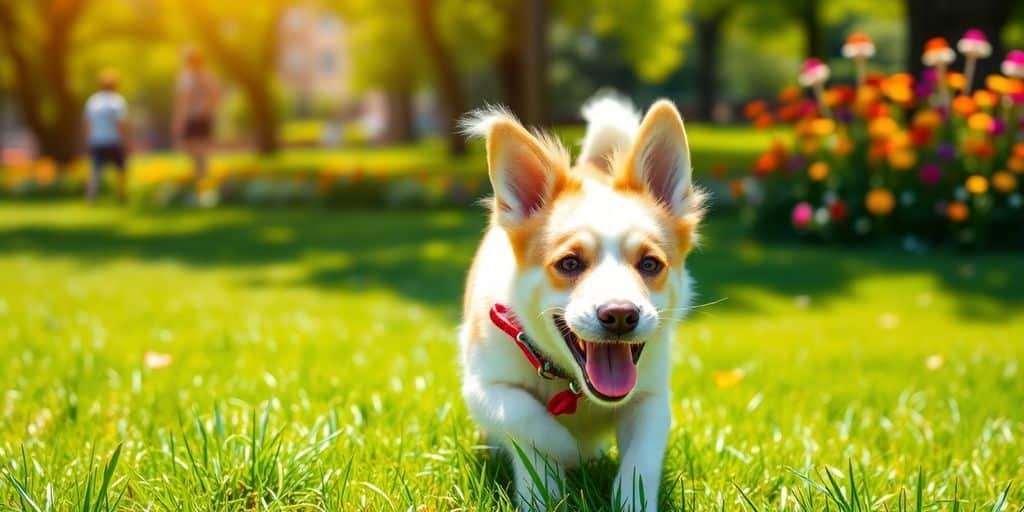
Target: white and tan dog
(586, 261)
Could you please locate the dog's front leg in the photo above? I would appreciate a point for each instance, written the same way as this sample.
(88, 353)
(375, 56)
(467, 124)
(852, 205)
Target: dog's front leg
(512, 415)
(642, 434)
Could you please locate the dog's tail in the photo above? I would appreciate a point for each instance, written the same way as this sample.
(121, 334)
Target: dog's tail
(612, 124)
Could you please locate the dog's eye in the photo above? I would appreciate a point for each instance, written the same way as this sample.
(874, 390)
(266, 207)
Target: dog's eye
(570, 265)
(650, 265)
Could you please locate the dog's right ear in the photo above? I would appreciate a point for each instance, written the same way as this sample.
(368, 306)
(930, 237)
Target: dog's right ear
(525, 172)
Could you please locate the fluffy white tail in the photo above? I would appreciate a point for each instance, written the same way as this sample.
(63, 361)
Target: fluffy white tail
(612, 123)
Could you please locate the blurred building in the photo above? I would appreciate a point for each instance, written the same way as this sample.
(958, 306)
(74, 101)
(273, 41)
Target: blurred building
(313, 62)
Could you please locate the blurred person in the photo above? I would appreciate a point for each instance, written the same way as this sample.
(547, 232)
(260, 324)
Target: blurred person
(195, 102)
(106, 134)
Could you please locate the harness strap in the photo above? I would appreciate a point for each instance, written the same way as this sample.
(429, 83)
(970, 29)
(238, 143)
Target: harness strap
(563, 402)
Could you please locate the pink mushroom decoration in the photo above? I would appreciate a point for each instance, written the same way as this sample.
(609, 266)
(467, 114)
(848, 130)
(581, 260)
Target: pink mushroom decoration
(859, 48)
(814, 75)
(1013, 65)
(973, 45)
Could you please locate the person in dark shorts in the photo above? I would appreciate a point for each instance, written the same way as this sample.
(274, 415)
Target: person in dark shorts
(106, 134)
(194, 106)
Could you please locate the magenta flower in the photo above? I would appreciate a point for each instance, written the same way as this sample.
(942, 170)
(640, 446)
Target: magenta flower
(930, 174)
(802, 215)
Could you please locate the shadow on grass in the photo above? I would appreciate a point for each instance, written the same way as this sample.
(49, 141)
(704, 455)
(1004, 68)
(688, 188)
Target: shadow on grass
(424, 256)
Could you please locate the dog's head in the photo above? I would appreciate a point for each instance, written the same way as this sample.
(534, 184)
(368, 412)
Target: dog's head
(600, 247)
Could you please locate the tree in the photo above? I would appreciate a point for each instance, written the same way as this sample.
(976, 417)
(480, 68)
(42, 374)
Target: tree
(710, 20)
(244, 44)
(446, 73)
(36, 38)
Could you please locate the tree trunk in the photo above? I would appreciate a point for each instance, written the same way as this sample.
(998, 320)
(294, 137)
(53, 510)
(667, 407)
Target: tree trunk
(448, 84)
(265, 117)
(709, 37)
(811, 20)
(950, 19)
(534, 61)
(508, 68)
(399, 129)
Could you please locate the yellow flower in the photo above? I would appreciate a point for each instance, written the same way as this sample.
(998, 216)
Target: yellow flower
(728, 378)
(976, 184)
(979, 122)
(957, 211)
(818, 171)
(1004, 182)
(882, 127)
(985, 99)
(880, 201)
(902, 159)
(823, 126)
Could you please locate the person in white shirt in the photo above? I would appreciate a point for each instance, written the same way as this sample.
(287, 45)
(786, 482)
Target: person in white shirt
(195, 104)
(106, 134)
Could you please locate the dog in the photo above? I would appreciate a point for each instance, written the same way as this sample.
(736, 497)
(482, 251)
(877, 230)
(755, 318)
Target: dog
(575, 292)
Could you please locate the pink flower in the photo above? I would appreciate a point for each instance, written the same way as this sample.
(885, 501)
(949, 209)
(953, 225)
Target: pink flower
(930, 174)
(974, 43)
(802, 215)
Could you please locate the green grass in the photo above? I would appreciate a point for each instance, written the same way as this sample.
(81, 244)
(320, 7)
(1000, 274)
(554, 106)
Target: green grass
(314, 367)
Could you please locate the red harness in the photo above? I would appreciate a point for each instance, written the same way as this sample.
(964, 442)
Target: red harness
(563, 402)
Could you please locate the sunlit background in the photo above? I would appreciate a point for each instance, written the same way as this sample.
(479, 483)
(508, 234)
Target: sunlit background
(265, 318)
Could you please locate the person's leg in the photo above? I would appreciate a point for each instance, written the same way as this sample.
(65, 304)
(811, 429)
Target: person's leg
(92, 184)
(122, 174)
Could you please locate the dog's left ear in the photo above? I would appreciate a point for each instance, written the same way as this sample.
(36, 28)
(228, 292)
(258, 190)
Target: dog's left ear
(659, 161)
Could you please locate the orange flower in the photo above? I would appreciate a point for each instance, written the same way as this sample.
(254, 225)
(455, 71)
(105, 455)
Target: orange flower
(1018, 150)
(880, 201)
(980, 148)
(957, 211)
(1004, 85)
(898, 88)
(902, 159)
(976, 184)
(764, 120)
(964, 106)
(736, 188)
(979, 122)
(766, 163)
(754, 109)
(791, 93)
(46, 171)
(818, 171)
(1004, 182)
(927, 118)
(727, 379)
(956, 81)
(823, 126)
(810, 146)
(844, 145)
(985, 99)
(1016, 164)
(882, 127)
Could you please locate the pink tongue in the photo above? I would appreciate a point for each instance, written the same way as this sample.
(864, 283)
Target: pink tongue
(610, 368)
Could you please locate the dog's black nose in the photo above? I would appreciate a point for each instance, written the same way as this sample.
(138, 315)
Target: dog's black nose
(618, 317)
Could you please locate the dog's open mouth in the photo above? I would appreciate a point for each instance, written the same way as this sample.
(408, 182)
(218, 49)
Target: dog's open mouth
(609, 368)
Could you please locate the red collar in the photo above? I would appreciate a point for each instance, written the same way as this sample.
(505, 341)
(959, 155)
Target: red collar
(563, 402)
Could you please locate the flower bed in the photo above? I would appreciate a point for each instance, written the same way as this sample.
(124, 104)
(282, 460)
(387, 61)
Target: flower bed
(159, 185)
(924, 159)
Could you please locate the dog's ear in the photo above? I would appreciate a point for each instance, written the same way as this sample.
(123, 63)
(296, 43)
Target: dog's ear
(525, 172)
(659, 161)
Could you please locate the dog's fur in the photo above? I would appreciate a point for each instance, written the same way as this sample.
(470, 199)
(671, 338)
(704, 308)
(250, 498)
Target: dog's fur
(628, 198)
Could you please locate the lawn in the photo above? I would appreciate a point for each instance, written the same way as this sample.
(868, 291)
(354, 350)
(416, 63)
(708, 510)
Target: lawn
(306, 359)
